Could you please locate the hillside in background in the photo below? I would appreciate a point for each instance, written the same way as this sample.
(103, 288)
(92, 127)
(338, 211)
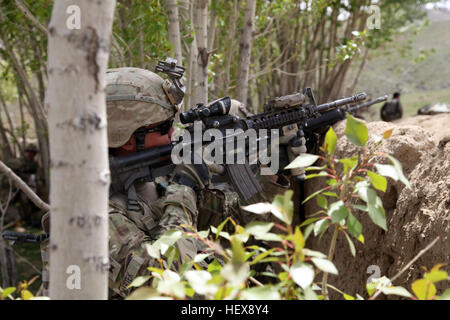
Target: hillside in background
(418, 65)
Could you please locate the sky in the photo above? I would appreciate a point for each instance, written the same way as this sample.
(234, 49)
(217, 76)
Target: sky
(441, 4)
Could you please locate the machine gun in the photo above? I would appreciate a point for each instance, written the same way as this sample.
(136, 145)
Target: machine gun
(149, 164)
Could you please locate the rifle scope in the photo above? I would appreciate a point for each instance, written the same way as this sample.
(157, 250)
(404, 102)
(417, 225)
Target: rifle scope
(218, 107)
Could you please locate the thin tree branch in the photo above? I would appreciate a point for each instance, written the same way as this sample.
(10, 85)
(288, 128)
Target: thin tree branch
(421, 253)
(24, 187)
(22, 7)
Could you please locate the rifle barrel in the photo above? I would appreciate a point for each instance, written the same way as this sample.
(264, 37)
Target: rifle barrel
(368, 103)
(341, 102)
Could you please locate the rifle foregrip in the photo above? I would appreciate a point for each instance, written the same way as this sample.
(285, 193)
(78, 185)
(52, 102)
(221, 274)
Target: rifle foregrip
(327, 118)
(243, 180)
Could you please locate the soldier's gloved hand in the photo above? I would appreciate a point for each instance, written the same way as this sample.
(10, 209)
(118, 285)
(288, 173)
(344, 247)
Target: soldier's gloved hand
(297, 146)
(195, 176)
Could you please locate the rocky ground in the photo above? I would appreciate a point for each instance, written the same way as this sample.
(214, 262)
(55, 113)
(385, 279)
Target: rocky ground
(414, 217)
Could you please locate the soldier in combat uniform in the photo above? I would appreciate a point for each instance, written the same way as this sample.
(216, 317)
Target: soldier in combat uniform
(392, 110)
(140, 113)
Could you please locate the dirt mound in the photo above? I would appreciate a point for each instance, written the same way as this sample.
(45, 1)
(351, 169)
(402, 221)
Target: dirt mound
(437, 125)
(414, 217)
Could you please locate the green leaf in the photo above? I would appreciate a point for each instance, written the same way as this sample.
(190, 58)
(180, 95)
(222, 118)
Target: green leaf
(398, 291)
(354, 227)
(7, 291)
(268, 237)
(350, 244)
(423, 289)
(257, 228)
(167, 239)
(322, 201)
(313, 195)
(261, 293)
(360, 207)
(308, 231)
(436, 275)
(258, 208)
(302, 161)
(214, 266)
(310, 294)
(320, 226)
(387, 170)
(309, 221)
(204, 234)
(146, 293)
(375, 206)
(445, 295)
(315, 175)
(220, 227)
(348, 297)
(261, 256)
(238, 251)
(349, 163)
(200, 257)
(399, 169)
(313, 253)
(302, 274)
(283, 207)
(330, 141)
(337, 211)
(356, 131)
(139, 281)
(325, 265)
(379, 182)
(298, 239)
(198, 280)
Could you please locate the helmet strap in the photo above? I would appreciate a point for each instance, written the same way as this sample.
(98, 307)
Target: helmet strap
(140, 138)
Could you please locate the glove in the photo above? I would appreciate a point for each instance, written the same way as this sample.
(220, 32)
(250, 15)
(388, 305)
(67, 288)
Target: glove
(195, 176)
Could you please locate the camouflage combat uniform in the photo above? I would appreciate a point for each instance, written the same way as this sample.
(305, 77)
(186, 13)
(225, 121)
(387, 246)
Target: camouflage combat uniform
(130, 230)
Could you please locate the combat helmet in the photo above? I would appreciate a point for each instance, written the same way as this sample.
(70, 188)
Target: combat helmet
(137, 97)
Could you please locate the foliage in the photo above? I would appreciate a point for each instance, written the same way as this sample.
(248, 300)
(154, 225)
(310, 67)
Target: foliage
(423, 289)
(290, 270)
(21, 291)
(235, 259)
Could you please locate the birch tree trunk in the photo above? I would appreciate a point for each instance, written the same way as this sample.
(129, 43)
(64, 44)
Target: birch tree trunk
(245, 47)
(201, 35)
(174, 29)
(79, 176)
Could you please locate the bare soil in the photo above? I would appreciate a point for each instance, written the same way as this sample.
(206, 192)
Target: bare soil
(414, 217)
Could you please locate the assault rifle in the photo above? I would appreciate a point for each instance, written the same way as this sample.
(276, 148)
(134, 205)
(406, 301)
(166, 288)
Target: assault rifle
(289, 110)
(24, 237)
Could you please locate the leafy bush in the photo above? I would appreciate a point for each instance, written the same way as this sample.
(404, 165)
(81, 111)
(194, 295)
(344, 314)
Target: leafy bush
(352, 185)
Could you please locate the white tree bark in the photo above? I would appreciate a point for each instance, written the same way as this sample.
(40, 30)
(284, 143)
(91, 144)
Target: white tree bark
(174, 29)
(201, 34)
(245, 48)
(79, 179)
